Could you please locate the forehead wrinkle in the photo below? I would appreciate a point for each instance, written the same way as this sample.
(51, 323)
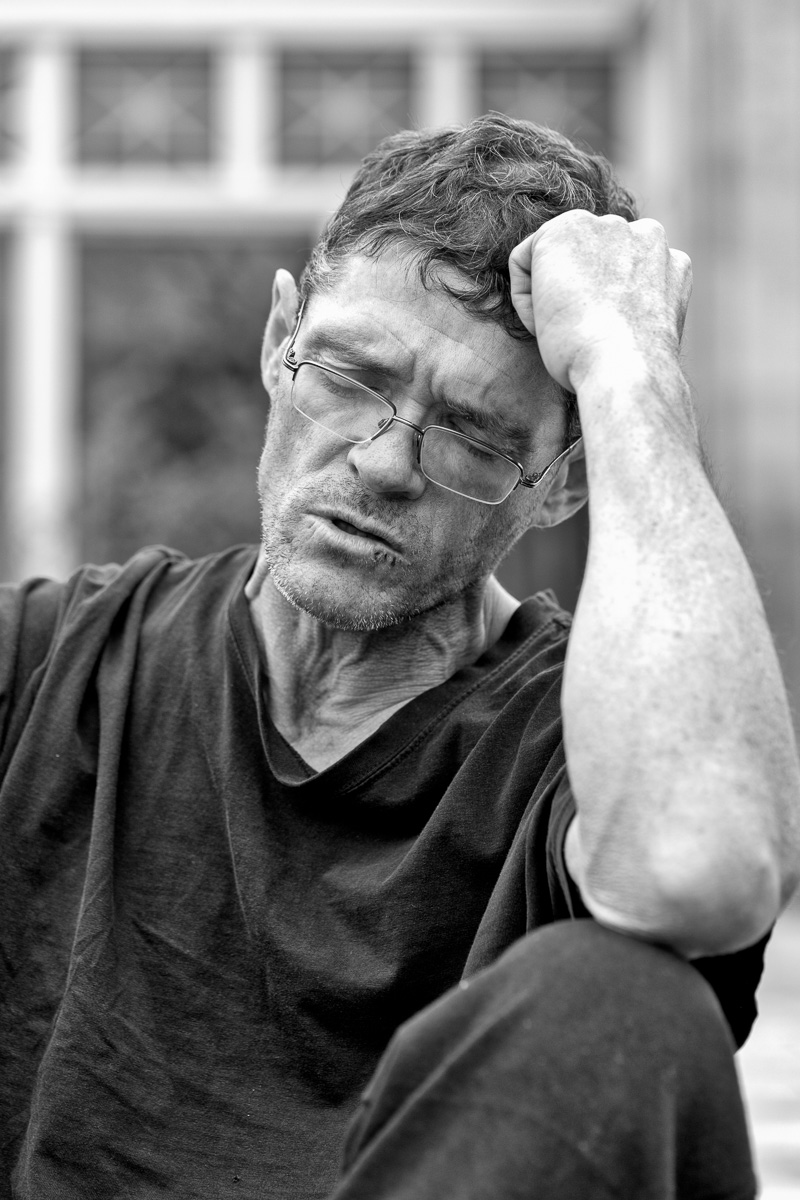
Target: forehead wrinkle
(482, 397)
(428, 309)
(481, 385)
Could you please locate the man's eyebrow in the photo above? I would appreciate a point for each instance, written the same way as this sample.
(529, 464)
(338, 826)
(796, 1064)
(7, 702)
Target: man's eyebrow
(492, 422)
(350, 348)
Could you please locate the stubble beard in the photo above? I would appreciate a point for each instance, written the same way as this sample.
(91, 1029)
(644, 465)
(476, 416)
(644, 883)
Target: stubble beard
(372, 612)
(369, 617)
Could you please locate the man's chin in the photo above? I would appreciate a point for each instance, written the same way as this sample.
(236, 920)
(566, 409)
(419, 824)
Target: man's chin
(351, 609)
(344, 592)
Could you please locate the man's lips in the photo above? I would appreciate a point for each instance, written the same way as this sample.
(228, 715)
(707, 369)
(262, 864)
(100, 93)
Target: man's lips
(358, 526)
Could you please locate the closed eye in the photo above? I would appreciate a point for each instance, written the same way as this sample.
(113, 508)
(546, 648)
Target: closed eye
(366, 374)
(475, 429)
(483, 453)
(501, 435)
(337, 383)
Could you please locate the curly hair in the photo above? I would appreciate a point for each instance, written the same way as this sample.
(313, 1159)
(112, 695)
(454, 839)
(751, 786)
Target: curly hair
(464, 198)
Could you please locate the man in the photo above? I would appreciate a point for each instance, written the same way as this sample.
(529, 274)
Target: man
(260, 811)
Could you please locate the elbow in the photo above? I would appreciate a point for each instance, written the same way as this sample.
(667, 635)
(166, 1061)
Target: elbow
(699, 904)
(719, 907)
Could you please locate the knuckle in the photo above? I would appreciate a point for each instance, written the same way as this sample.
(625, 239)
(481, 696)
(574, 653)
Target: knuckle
(649, 226)
(576, 216)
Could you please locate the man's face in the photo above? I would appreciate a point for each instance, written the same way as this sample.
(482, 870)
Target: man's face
(354, 534)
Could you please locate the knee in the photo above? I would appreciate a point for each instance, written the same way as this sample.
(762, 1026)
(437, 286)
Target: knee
(580, 975)
(579, 1036)
(596, 966)
(576, 1010)
(577, 992)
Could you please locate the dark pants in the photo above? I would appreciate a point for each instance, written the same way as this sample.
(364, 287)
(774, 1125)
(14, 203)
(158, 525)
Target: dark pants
(583, 1065)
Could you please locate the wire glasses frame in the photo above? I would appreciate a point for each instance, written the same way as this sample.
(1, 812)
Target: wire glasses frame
(293, 365)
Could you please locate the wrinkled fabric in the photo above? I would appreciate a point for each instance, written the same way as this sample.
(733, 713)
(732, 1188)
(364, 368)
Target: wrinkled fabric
(204, 946)
(583, 1065)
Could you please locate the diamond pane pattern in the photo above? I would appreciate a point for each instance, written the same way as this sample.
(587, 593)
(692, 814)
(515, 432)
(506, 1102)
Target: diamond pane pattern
(336, 106)
(571, 93)
(144, 106)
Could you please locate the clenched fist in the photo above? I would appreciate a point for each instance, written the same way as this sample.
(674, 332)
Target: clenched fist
(587, 287)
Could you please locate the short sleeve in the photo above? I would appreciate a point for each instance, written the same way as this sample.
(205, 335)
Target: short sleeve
(29, 615)
(734, 978)
(565, 892)
(57, 631)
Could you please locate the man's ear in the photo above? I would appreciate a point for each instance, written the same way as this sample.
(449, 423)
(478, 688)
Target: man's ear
(280, 324)
(568, 491)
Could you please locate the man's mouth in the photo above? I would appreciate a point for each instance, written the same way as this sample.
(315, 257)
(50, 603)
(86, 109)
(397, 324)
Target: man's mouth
(366, 535)
(365, 531)
(374, 540)
(348, 528)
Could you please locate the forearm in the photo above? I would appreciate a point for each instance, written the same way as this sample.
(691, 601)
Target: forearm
(678, 738)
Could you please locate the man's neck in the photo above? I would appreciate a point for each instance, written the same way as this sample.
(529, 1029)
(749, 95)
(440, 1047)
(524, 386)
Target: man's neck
(329, 689)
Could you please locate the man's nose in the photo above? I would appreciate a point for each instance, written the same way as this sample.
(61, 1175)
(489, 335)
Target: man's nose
(389, 463)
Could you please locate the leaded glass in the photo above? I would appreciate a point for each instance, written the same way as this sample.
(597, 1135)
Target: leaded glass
(144, 106)
(568, 92)
(335, 106)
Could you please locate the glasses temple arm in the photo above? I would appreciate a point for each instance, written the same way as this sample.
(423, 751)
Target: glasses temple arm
(531, 481)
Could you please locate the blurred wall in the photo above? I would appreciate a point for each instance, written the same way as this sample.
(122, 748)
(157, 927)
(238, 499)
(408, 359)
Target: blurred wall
(731, 74)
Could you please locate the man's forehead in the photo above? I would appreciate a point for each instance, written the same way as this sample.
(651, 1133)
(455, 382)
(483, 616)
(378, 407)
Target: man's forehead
(381, 305)
(395, 276)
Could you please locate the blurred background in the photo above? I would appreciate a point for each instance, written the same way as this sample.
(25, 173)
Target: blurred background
(159, 160)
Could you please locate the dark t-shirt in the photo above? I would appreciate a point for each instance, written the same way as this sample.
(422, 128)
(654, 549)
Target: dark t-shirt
(204, 946)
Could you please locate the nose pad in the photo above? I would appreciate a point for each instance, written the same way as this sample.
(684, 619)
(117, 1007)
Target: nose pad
(389, 462)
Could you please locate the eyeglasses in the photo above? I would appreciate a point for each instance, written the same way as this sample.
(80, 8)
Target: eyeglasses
(358, 415)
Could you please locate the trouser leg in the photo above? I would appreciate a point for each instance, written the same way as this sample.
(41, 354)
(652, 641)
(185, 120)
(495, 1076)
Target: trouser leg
(581, 1065)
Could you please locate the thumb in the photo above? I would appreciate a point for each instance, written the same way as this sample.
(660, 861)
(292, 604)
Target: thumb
(519, 271)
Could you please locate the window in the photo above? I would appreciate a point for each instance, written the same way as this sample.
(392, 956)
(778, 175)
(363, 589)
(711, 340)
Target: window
(8, 96)
(336, 106)
(569, 92)
(144, 107)
(173, 409)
